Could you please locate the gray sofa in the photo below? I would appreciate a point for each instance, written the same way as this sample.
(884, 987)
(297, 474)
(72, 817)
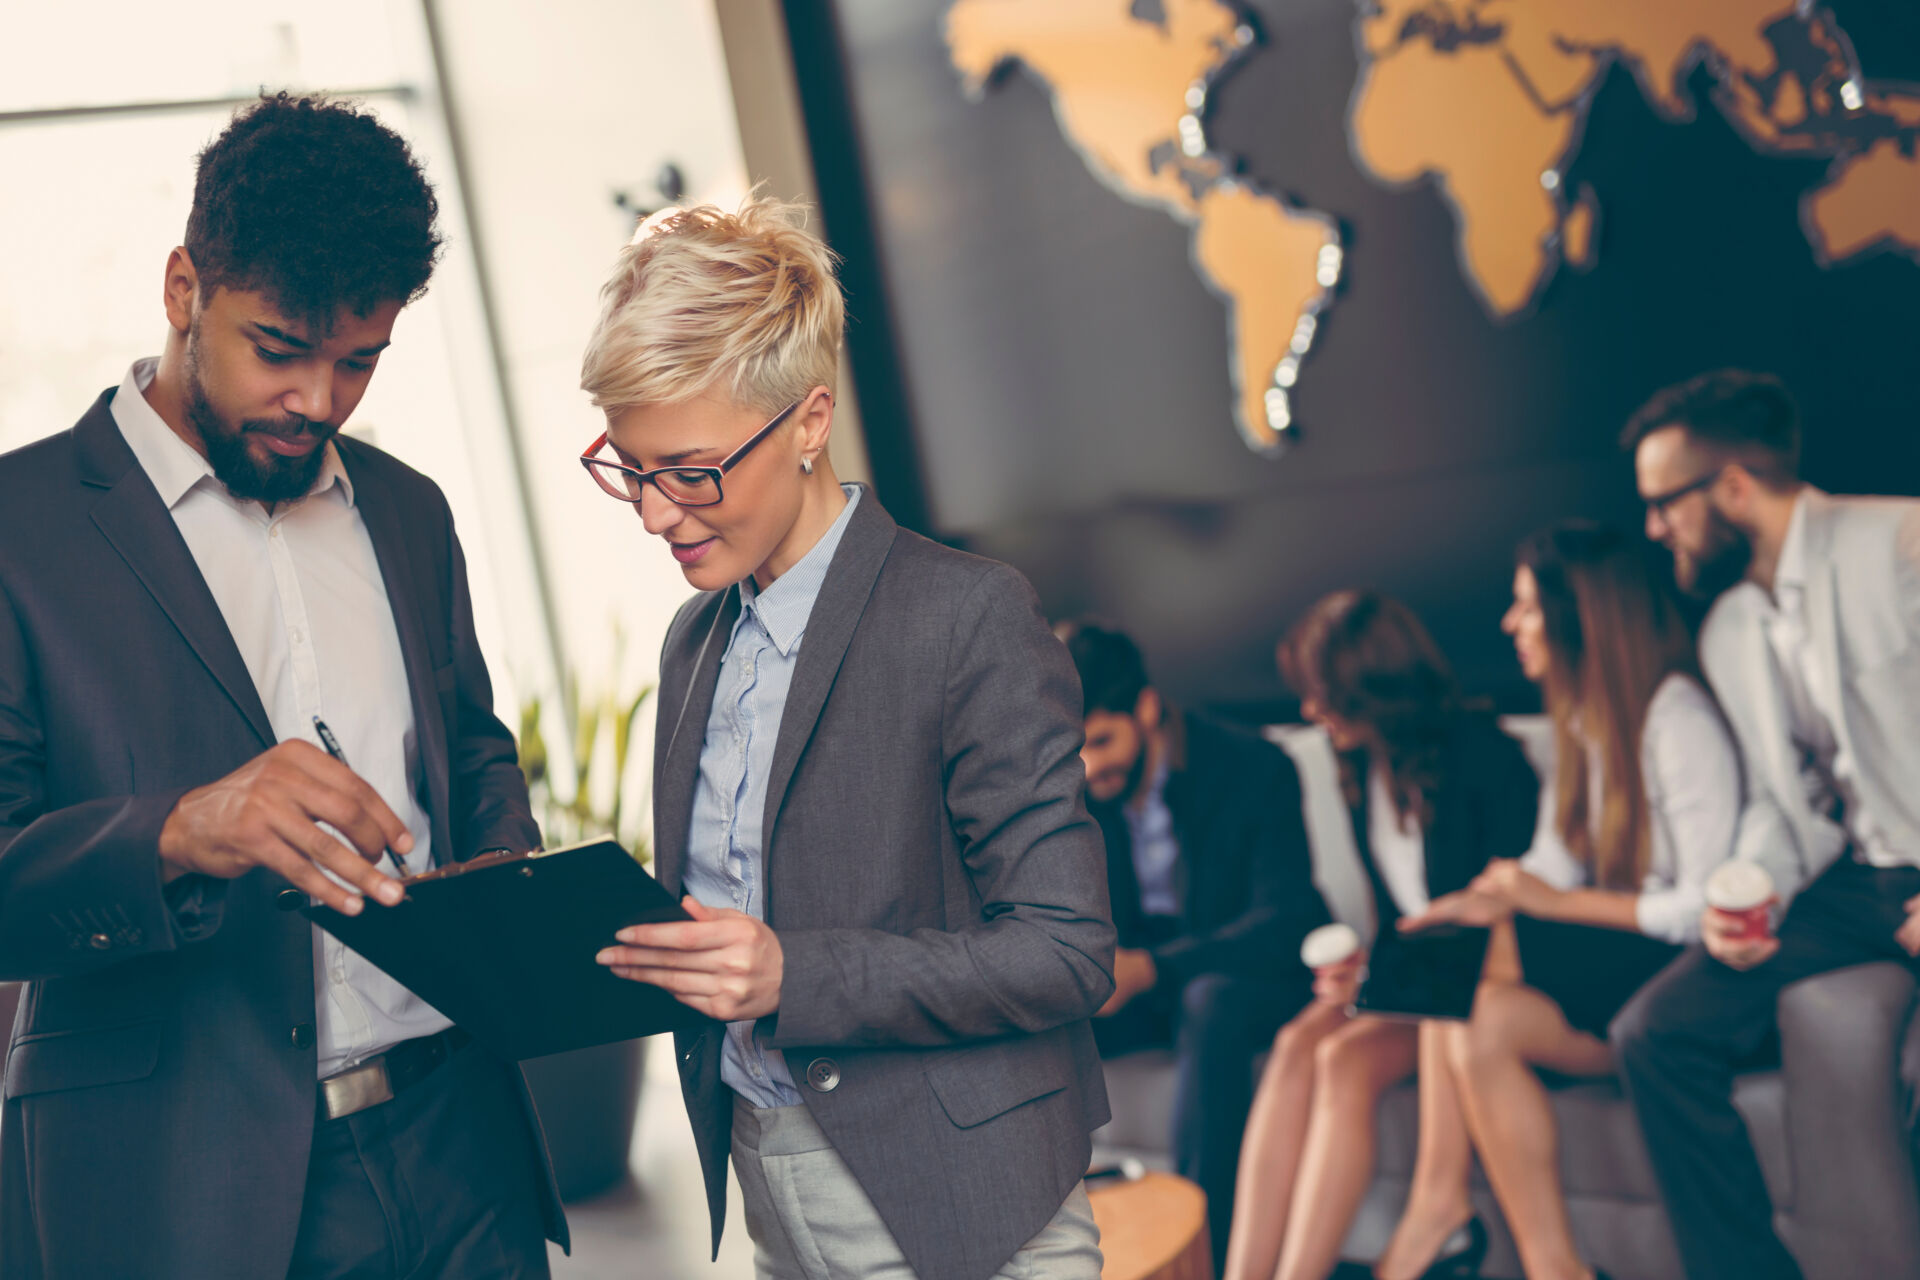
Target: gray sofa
(1830, 1125)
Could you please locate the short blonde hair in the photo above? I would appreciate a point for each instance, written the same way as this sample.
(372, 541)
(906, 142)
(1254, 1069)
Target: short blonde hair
(745, 301)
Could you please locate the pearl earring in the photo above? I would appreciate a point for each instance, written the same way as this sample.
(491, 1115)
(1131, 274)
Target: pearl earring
(806, 466)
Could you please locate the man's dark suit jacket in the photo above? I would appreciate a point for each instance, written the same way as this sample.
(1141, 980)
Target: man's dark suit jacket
(1243, 883)
(936, 886)
(160, 1086)
(1485, 807)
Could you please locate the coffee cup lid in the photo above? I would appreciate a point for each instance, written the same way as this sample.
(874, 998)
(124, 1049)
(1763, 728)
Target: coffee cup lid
(1329, 944)
(1739, 886)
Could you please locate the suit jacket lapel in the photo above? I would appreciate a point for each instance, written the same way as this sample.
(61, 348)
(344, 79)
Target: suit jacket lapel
(138, 525)
(1178, 797)
(1123, 882)
(381, 515)
(836, 614)
(1766, 708)
(1823, 614)
(1385, 909)
(680, 745)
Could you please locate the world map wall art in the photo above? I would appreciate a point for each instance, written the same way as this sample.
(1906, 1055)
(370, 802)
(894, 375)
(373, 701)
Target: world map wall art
(1489, 100)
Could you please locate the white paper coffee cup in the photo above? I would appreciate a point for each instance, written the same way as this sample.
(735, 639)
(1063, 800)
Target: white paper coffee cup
(1743, 890)
(1329, 945)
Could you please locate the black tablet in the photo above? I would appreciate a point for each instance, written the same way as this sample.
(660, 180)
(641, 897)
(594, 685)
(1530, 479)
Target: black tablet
(1432, 973)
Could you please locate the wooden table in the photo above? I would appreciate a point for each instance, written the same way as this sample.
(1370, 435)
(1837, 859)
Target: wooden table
(1153, 1228)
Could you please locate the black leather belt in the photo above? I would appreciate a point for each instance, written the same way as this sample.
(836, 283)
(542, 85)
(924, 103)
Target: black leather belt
(385, 1075)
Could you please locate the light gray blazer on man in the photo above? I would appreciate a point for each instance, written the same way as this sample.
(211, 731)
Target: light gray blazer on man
(1863, 620)
(938, 889)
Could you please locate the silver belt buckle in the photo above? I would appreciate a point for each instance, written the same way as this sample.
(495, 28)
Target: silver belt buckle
(366, 1085)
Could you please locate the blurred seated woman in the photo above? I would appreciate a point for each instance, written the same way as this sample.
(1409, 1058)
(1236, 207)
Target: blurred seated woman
(1437, 789)
(1641, 808)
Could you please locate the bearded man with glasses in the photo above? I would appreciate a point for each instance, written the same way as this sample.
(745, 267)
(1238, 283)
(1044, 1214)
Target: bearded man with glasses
(1813, 648)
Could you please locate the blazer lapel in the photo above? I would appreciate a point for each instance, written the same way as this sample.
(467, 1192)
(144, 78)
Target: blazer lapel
(381, 515)
(1385, 910)
(681, 744)
(1823, 614)
(1766, 709)
(836, 614)
(138, 525)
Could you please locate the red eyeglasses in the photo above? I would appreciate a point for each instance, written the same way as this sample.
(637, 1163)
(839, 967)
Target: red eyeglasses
(686, 486)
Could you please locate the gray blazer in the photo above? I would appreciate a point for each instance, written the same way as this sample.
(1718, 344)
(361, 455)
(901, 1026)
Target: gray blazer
(1863, 617)
(937, 887)
(160, 1084)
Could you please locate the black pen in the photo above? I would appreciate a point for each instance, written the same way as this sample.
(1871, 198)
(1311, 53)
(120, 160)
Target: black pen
(332, 744)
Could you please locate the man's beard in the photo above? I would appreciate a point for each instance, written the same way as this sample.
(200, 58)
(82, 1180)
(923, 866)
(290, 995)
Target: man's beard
(272, 481)
(1136, 772)
(1721, 563)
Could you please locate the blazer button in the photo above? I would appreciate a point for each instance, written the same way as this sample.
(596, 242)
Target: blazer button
(823, 1075)
(99, 942)
(289, 899)
(302, 1036)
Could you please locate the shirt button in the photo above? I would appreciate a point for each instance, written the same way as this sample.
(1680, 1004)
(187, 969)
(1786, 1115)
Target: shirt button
(274, 532)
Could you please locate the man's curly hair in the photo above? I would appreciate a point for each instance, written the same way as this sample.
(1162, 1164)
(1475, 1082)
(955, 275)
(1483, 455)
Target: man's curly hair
(315, 204)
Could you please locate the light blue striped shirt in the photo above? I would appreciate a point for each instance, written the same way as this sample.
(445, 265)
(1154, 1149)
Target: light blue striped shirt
(729, 802)
(1155, 847)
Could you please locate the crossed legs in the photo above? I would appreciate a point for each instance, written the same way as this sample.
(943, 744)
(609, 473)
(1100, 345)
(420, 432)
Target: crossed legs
(1309, 1150)
(1479, 1090)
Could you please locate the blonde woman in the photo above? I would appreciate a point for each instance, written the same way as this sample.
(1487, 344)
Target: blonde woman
(1642, 807)
(867, 785)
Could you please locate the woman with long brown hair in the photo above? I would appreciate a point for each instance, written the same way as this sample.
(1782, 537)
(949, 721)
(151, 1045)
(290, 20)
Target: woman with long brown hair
(1641, 808)
(1436, 789)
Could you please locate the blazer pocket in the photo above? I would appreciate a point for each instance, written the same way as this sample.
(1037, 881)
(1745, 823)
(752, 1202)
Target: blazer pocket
(976, 1084)
(49, 1061)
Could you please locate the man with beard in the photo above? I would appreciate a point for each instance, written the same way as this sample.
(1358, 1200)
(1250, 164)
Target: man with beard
(1211, 879)
(1813, 647)
(196, 575)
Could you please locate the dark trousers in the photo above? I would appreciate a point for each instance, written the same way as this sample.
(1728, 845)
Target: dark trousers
(1217, 1025)
(441, 1181)
(1678, 1042)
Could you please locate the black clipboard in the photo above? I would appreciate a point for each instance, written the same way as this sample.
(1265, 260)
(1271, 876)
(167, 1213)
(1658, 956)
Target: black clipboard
(1425, 973)
(504, 945)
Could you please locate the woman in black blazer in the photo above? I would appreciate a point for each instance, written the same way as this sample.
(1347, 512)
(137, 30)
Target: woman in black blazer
(1437, 789)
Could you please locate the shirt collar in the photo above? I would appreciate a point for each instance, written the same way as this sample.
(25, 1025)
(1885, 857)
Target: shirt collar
(1791, 572)
(176, 467)
(784, 607)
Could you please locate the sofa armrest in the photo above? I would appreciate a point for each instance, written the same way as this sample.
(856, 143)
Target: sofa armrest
(1855, 1207)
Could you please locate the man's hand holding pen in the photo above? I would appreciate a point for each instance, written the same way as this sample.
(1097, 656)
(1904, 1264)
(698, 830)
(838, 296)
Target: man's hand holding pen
(726, 964)
(268, 812)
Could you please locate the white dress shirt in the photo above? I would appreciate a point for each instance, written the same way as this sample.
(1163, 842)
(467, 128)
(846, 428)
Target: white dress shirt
(1828, 771)
(1399, 851)
(303, 597)
(1691, 771)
